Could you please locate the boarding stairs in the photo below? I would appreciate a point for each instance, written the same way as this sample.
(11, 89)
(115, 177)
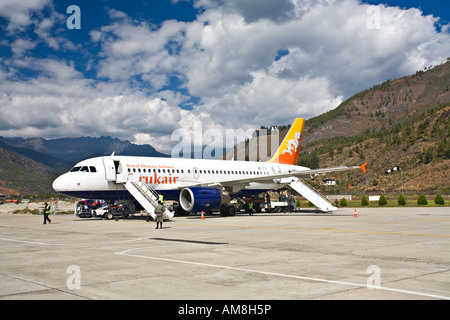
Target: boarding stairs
(313, 195)
(147, 197)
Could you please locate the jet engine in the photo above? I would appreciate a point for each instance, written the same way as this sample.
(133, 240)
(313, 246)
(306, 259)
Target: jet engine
(200, 199)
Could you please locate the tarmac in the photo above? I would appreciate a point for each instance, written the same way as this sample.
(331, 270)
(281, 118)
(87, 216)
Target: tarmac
(380, 254)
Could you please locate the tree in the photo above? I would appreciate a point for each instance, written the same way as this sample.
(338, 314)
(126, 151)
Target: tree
(438, 199)
(422, 200)
(401, 200)
(382, 201)
(343, 202)
(314, 161)
(364, 201)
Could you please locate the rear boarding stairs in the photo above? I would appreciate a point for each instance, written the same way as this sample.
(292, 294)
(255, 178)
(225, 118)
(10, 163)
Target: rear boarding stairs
(311, 194)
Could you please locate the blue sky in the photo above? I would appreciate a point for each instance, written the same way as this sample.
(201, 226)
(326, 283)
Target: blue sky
(438, 8)
(139, 70)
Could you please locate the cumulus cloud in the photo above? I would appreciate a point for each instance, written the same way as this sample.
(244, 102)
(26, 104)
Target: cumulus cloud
(18, 13)
(239, 64)
(68, 105)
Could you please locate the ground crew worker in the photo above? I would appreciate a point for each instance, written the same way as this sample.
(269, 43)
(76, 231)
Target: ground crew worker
(46, 213)
(161, 198)
(250, 208)
(268, 198)
(159, 211)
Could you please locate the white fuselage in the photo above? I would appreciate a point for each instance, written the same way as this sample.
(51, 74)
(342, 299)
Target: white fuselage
(99, 178)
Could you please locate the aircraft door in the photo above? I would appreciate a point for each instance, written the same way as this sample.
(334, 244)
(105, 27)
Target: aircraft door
(276, 169)
(196, 173)
(110, 169)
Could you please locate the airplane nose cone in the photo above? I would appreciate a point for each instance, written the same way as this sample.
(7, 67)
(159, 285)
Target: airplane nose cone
(59, 185)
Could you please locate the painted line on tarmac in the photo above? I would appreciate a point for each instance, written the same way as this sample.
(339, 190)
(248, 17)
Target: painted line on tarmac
(32, 242)
(275, 274)
(320, 229)
(46, 287)
(61, 244)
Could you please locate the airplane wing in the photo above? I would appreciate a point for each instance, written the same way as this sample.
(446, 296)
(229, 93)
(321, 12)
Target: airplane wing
(298, 174)
(270, 178)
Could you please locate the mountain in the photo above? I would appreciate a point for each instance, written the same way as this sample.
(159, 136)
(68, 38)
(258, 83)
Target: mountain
(385, 105)
(29, 166)
(22, 172)
(74, 150)
(420, 146)
(403, 122)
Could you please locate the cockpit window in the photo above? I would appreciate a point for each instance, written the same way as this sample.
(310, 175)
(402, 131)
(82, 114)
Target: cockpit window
(83, 169)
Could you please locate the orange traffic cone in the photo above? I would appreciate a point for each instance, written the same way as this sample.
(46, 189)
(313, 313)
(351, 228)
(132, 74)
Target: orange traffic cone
(202, 218)
(355, 215)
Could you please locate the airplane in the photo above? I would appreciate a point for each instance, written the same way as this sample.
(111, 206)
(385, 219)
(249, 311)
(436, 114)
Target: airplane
(196, 184)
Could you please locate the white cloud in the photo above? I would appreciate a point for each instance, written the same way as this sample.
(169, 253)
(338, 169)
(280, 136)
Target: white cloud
(18, 13)
(20, 46)
(62, 103)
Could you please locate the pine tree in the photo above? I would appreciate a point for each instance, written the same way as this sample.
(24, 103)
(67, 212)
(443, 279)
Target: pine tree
(364, 201)
(401, 200)
(422, 200)
(438, 199)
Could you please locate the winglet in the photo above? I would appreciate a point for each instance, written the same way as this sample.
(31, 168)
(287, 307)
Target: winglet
(363, 167)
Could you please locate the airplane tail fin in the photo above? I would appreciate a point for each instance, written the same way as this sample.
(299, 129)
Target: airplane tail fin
(289, 149)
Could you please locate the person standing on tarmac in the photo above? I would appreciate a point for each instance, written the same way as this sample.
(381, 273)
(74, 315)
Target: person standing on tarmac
(159, 211)
(250, 208)
(46, 213)
(268, 198)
